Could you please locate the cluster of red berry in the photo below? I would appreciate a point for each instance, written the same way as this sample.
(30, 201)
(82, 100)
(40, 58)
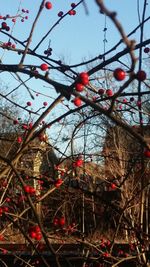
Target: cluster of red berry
(9, 45)
(108, 92)
(29, 189)
(3, 210)
(59, 221)
(25, 10)
(82, 81)
(13, 19)
(27, 126)
(35, 232)
(24, 126)
(119, 74)
(48, 52)
(71, 12)
(5, 27)
(23, 17)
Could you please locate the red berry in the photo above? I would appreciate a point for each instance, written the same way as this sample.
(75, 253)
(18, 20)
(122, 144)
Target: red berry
(1, 238)
(147, 153)
(79, 162)
(8, 199)
(141, 75)
(38, 236)
(139, 103)
(27, 188)
(42, 137)
(72, 12)
(45, 104)
(105, 254)
(30, 125)
(62, 221)
(79, 87)
(25, 126)
(13, 46)
(109, 92)
(15, 122)
(84, 75)
(45, 52)
(1, 211)
(7, 28)
(58, 182)
(32, 190)
(56, 221)
(19, 139)
(77, 101)
(94, 98)
(146, 50)
(48, 5)
(73, 5)
(113, 186)
(44, 67)
(32, 234)
(29, 103)
(4, 25)
(101, 91)
(37, 229)
(60, 14)
(5, 209)
(9, 43)
(85, 81)
(84, 78)
(35, 73)
(4, 251)
(125, 100)
(119, 74)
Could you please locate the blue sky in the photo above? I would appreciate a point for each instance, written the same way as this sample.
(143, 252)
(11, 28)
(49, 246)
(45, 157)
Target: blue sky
(76, 37)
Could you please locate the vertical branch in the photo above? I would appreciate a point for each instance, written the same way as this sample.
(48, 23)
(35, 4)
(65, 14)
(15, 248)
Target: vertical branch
(129, 43)
(141, 123)
(31, 32)
(147, 217)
